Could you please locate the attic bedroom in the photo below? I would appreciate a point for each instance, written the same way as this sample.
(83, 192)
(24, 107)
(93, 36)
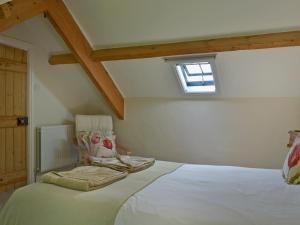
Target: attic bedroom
(149, 112)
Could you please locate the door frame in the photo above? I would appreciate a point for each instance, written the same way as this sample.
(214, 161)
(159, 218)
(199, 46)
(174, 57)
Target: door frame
(6, 40)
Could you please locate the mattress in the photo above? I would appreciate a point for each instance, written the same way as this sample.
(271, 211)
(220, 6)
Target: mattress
(214, 195)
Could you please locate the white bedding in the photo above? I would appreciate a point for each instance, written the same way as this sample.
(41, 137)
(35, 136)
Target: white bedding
(214, 195)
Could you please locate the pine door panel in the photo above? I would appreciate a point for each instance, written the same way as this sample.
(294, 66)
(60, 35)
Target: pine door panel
(2, 92)
(9, 150)
(13, 81)
(2, 151)
(19, 147)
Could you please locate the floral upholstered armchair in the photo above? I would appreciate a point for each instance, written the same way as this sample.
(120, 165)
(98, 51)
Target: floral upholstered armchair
(95, 137)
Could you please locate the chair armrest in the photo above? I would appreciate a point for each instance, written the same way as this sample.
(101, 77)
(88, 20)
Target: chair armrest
(123, 150)
(292, 136)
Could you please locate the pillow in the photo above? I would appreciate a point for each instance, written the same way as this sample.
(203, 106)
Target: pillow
(103, 144)
(291, 167)
(96, 144)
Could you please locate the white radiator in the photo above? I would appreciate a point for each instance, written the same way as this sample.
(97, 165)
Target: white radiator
(55, 148)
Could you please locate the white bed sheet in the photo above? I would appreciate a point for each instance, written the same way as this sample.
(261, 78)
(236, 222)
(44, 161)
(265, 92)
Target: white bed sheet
(214, 195)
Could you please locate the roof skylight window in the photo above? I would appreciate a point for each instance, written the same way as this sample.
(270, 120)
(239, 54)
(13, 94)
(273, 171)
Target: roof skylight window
(197, 76)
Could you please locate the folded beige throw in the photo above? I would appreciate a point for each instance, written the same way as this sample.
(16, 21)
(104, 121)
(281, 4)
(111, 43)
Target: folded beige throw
(130, 164)
(84, 178)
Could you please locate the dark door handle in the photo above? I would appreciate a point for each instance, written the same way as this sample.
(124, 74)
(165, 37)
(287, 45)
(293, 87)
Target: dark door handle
(23, 121)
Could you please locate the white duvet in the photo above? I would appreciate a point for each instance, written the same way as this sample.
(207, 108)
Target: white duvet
(214, 195)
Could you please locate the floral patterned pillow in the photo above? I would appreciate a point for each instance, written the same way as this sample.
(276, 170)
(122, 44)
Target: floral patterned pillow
(291, 167)
(96, 144)
(103, 144)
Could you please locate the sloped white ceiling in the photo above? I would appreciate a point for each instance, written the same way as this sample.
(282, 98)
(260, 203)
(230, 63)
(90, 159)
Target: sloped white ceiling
(257, 73)
(119, 22)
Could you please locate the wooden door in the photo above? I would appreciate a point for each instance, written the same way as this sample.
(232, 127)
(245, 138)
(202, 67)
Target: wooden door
(13, 82)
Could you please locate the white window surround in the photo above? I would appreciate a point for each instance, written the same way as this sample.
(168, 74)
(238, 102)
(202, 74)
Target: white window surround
(196, 75)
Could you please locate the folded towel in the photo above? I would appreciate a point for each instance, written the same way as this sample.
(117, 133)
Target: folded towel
(84, 178)
(124, 163)
(112, 163)
(136, 163)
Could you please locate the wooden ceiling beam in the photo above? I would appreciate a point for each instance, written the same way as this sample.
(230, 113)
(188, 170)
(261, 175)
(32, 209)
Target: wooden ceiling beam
(21, 10)
(262, 41)
(62, 20)
(66, 26)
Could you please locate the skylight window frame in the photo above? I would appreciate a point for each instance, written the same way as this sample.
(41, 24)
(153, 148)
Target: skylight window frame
(195, 59)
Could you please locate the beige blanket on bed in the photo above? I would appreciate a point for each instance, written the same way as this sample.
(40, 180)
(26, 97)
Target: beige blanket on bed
(46, 204)
(130, 164)
(84, 178)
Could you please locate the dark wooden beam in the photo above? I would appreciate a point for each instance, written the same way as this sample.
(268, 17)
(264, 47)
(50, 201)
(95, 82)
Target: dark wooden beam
(272, 40)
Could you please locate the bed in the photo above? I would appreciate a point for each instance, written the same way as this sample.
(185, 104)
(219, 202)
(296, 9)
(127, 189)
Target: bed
(165, 193)
(178, 195)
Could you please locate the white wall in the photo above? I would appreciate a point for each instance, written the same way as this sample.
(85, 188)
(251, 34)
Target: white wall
(47, 109)
(246, 132)
(230, 129)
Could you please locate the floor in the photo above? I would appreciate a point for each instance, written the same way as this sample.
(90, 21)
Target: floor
(4, 197)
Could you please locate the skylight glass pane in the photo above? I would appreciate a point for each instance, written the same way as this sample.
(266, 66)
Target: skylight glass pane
(206, 68)
(197, 76)
(195, 79)
(208, 78)
(193, 68)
